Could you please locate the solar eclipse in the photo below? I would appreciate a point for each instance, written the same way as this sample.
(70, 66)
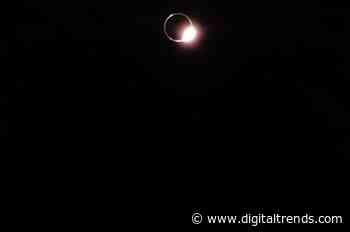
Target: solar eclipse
(189, 32)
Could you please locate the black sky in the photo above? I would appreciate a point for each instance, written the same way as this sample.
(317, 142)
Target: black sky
(96, 85)
(269, 78)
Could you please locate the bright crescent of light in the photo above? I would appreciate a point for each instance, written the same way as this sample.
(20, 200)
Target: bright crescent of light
(189, 33)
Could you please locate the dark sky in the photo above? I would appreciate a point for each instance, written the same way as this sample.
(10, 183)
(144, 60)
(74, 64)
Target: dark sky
(266, 78)
(97, 86)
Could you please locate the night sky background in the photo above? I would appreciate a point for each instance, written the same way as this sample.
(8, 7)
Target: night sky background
(265, 89)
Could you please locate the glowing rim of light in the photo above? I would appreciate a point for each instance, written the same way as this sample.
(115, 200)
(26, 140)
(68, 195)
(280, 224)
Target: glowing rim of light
(189, 34)
(165, 27)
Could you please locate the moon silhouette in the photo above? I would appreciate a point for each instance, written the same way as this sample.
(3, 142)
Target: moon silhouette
(189, 33)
